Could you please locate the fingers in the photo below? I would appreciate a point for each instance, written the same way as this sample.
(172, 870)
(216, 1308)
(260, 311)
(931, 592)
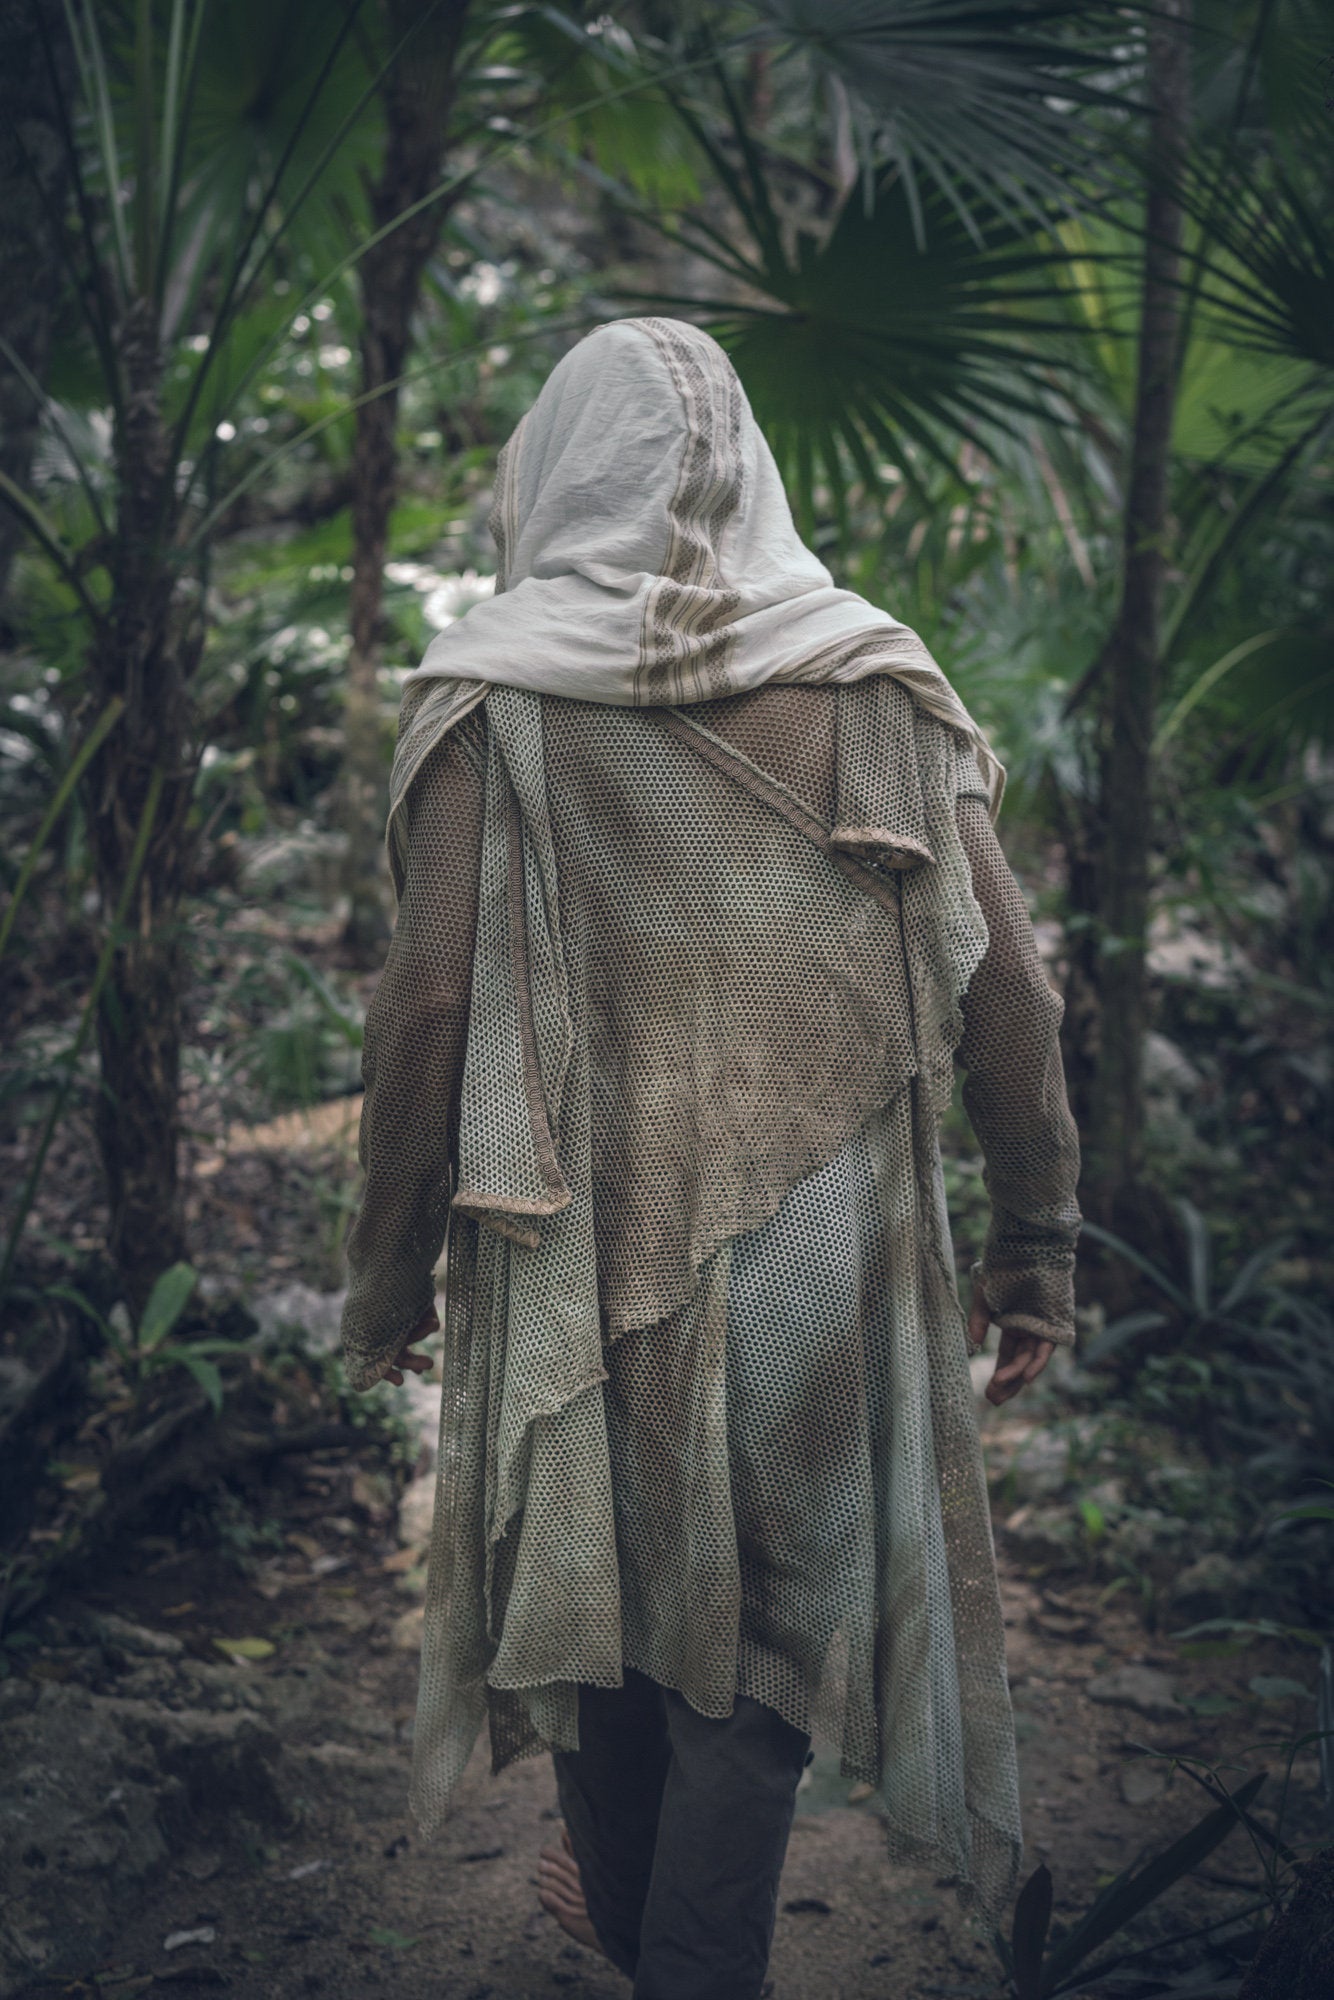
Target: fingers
(1022, 1358)
(1042, 1353)
(415, 1364)
(420, 1364)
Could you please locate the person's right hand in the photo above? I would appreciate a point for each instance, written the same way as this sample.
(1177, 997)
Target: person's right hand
(416, 1364)
(1022, 1356)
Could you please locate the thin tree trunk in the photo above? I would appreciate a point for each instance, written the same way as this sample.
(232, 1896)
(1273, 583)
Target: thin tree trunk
(34, 175)
(419, 95)
(144, 656)
(1110, 850)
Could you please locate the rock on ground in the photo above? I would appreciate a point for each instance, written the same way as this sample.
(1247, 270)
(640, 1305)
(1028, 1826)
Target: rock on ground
(99, 1791)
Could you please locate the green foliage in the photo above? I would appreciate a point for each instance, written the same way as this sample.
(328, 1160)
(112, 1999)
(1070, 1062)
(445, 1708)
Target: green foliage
(1243, 1356)
(887, 331)
(1039, 1971)
(100, 978)
(978, 102)
(145, 1351)
(899, 219)
(59, 800)
(300, 1048)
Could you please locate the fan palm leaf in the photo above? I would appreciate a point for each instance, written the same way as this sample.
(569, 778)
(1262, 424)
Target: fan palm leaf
(1269, 270)
(974, 97)
(866, 344)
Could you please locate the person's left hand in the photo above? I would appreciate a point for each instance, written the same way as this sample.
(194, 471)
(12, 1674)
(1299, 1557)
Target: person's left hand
(416, 1364)
(1022, 1356)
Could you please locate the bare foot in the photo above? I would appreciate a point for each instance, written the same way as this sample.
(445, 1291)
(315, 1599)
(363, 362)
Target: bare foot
(561, 1892)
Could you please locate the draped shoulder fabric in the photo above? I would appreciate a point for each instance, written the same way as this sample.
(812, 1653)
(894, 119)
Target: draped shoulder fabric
(648, 557)
(687, 935)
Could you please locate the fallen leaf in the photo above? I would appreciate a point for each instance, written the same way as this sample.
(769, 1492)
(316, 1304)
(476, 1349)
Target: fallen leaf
(1061, 1624)
(246, 1649)
(307, 1544)
(206, 1934)
(401, 1560)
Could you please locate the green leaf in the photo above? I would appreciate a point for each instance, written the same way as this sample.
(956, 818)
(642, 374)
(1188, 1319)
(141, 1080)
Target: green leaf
(1269, 274)
(1028, 1938)
(1200, 687)
(1315, 1511)
(1262, 1628)
(967, 98)
(1252, 1271)
(1217, 1649)
(1141, 1263)
(75, 1297)
(246, 1649)
(1120, 1332)
(395, 1940)
(107, 721)
(871, 344)
(1277, 1687)
(1197, 1250)
(1135, 1889)
(166, 1302)
(204, 1372)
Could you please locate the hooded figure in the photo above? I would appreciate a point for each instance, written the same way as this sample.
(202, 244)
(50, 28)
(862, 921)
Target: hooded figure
(700, 903)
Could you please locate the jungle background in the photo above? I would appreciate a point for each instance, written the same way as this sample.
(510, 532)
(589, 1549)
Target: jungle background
(1036, 305)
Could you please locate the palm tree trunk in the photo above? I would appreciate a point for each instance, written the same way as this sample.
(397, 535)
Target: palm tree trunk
(34, 174)
(1110, 851)
(144, 655)
(419, 94)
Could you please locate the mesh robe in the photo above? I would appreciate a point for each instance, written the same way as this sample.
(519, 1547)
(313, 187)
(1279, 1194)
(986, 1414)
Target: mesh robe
(663, 1041)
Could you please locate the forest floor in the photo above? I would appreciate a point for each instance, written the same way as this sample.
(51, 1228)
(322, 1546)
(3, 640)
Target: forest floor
(218, 1823)
(207, 1750)
(290, 1865)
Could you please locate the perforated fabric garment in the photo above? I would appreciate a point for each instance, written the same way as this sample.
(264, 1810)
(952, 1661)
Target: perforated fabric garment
(707, 1409)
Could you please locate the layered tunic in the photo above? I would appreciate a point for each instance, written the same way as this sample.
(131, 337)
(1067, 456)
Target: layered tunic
(663, 1041)
(700, 901)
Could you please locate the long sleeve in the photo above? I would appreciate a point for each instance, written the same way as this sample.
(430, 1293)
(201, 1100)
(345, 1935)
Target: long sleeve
(412, 1062)
(1015, 1096)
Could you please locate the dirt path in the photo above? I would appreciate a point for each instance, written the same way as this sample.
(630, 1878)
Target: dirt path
(291, 1865)
(174, 1815)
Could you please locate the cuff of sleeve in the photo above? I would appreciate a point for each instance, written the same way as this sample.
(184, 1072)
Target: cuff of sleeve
(368, 1354)
(1018, 1304)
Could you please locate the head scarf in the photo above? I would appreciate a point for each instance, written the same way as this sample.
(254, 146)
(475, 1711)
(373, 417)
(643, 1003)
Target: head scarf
(648, 557)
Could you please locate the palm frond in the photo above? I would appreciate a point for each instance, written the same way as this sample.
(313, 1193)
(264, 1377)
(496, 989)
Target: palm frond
(975, 97)
(865, 345)
(1269, 271)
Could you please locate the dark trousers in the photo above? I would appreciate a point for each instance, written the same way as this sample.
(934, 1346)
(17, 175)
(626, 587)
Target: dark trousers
(679, 1823)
